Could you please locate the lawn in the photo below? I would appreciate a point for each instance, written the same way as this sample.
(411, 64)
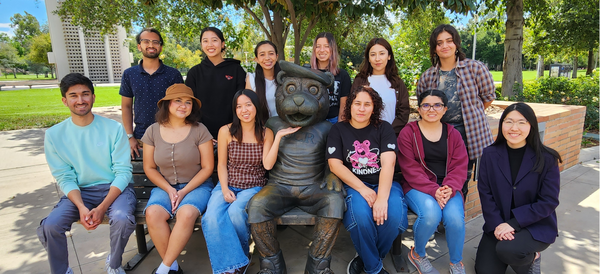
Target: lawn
(36, 108)
(528, 74)
(21, 77)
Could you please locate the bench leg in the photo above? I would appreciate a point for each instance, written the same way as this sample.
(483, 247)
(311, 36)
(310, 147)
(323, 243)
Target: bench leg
(397, 258)
(143, 248)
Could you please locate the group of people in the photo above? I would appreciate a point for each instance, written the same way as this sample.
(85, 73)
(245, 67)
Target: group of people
(371, 141)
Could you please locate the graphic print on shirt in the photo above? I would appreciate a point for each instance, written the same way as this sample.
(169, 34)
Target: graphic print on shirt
(447, 84)
(333, 96)
(364, 160)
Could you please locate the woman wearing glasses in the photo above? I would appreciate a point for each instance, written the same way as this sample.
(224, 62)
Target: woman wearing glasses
(434, 160)
(519, 184)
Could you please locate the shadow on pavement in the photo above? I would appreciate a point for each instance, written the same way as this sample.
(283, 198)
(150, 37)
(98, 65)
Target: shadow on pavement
(23, 214)
(30, 141)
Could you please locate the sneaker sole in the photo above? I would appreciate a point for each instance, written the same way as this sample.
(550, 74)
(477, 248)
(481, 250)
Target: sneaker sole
(348, 267)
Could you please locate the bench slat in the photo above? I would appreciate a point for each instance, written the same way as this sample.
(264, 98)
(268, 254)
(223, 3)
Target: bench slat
(142, 180)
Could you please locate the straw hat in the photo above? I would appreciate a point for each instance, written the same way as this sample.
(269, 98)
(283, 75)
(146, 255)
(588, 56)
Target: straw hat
(179, 90)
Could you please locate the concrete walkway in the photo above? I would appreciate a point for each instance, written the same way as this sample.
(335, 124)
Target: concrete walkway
(28, 193)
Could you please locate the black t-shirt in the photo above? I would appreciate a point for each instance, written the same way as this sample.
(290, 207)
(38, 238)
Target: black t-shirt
(436, 154)
(447, 84)
(360, 149)
(340, 88)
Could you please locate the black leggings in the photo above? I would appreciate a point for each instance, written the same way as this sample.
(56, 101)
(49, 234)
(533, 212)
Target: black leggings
(494, 256)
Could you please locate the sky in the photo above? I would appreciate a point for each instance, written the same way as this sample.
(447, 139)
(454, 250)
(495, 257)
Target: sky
(8, 8)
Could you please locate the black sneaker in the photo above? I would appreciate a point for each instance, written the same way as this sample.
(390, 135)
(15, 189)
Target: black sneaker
(355, 266)
(383, 271)
(178, 271)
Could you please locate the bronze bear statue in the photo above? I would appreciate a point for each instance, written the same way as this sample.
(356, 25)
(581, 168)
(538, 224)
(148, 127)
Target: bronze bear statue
(300, 176)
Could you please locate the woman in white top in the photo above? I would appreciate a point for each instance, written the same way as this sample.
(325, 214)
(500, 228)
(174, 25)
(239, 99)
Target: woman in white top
(378, 70)
(262, 81)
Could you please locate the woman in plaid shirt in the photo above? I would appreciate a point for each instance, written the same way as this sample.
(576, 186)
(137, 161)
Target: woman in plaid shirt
(470, 89)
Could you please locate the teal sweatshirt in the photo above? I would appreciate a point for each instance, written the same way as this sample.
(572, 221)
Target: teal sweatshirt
(95, 154)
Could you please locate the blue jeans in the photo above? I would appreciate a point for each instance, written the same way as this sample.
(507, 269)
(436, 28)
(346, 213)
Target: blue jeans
(371, 241)
(51, 231)
(221, 223)
(333, 120)
(429, 216)
(198, 197)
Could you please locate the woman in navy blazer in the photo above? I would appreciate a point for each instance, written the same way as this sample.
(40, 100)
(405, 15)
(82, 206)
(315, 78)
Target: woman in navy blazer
(519, 183)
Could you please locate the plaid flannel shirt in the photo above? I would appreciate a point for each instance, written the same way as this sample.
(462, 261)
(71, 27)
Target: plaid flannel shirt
(475, 87)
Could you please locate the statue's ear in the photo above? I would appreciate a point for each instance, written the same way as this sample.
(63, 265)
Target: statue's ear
(331, 78)
(280, 77)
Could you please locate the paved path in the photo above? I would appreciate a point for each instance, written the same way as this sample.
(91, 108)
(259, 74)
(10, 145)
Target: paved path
(28, 193)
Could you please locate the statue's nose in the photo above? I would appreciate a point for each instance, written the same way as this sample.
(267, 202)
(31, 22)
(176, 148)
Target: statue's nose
(299, 100)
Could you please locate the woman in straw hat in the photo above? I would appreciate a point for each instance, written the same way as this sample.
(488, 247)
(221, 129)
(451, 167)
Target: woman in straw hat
(179, 159)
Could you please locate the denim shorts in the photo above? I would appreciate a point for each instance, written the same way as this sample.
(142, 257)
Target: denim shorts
(197, 198)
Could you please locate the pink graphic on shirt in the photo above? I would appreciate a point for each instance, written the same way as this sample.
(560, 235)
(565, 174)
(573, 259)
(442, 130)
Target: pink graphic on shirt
(363, 156)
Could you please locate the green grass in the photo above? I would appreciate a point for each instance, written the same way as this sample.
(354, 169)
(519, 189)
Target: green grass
(527, 74)
(35, 108)
(21, 77)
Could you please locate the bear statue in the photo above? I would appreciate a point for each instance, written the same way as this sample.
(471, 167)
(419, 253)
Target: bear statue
(300, 177)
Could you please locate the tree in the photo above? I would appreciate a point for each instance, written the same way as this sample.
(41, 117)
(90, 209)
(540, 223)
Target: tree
(9, 57)
(574, 29)
(25, 28)
(410, 42)
(275, 17)
(38, 53)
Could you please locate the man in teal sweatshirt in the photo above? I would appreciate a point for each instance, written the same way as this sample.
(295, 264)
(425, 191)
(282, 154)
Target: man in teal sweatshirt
(88, 156)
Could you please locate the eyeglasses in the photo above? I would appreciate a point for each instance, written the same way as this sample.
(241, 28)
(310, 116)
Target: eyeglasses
(511, 123)
(146, 42)
(436, 106)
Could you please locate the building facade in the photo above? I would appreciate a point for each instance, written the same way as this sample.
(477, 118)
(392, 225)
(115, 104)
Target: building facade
(102, 58)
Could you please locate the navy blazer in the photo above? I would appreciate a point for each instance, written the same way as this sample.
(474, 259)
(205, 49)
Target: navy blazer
(535, 194)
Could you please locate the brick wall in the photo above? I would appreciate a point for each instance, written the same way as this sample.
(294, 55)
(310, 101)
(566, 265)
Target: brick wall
(561, 128)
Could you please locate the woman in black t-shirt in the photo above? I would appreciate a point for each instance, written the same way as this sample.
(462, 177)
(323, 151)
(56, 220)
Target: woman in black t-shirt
(361, 152)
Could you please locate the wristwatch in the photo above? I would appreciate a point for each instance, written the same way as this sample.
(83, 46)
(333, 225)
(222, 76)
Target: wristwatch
(129, 136)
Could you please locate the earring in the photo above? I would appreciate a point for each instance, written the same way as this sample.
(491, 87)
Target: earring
(456, 53)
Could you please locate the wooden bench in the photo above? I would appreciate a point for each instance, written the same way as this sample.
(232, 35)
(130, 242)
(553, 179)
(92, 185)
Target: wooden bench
(143, 186)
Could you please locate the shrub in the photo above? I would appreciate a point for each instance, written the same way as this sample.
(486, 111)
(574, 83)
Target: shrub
(582, 91)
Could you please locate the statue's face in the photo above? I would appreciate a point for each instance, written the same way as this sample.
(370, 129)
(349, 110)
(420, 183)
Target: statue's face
(302, 101)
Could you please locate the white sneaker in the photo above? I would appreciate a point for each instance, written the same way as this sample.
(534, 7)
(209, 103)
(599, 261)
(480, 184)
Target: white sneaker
(109, 270)
(69, 271)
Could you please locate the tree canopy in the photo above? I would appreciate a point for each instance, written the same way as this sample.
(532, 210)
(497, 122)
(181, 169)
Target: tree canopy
(275, 18)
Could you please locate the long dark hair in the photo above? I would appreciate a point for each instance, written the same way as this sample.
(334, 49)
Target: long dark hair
(259, 80)
(391, 71)
(236, 126)
(162, 115)
(375, 118)
(334, 57)
(433, 43)
(533, 139)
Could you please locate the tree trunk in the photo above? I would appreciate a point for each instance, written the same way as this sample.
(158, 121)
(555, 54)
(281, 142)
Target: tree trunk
(574, 75)
(540, 67)
(590, 62)
(15, 72)
(278, 34)
(513, 49)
